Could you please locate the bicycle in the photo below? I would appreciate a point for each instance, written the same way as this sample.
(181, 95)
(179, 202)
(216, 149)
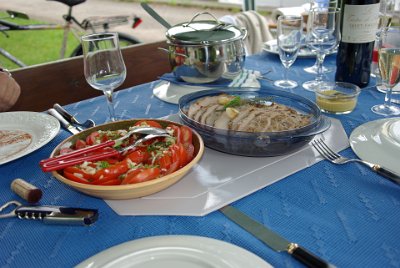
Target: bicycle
(92, 24)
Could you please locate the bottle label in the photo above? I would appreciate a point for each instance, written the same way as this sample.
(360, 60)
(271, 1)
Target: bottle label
(360, 23)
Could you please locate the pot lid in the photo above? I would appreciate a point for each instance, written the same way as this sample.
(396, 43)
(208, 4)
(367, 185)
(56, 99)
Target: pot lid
(204, 32)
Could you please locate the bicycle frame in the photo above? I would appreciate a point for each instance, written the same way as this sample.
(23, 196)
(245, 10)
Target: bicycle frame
(69, 26)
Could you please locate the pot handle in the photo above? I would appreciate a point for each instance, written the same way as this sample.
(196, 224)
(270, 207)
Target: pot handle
(219, 23)
(169, 52)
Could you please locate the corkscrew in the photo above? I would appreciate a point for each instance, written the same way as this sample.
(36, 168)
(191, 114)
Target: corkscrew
(50, 214)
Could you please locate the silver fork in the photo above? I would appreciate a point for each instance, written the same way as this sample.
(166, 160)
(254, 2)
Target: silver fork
(336, 158)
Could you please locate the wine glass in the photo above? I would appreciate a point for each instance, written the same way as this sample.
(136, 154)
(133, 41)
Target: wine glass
(288, 36)
(103, 65)
(323, 35)
(389, 68)
(314, 68)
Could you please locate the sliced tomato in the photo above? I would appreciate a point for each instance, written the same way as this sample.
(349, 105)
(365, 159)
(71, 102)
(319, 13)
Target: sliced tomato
(164, 161)
(77, 175)
(78, 172)
(75, 178)
(79, 144)
(111, 172)
(179, 154)
(111, 160)
(66, 150)
(131, 174)
(92, 138)
(175, 161)
(176, 132)
(140, 155)
(144, 175)
(189, 152)
(110, 182)
(149, 123)
(186, 135)
(183, 156)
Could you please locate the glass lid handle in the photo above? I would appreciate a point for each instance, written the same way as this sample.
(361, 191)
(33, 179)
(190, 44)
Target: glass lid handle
(219, 23)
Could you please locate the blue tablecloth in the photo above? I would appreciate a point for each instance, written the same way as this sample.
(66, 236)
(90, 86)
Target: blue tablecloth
(347, 214)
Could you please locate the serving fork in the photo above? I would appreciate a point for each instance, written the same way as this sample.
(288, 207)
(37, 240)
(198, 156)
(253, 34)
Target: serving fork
(336, 158)
(81, 155)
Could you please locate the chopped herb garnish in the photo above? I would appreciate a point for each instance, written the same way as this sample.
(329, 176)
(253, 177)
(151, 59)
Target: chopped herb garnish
(103, 164)
(236, 101)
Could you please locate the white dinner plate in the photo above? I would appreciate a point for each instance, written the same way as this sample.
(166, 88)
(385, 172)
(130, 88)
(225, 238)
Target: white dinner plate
(177, 251)
(272, 47)
(24, 132)
(171, 93)
(378, 142)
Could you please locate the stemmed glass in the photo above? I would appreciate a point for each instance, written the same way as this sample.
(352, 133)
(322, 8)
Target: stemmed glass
(103, 65)
(323, 35)
(289, 37)
(389, 68)
(314, 68)
(386, 13)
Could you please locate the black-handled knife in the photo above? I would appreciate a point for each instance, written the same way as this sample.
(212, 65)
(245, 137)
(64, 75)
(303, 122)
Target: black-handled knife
(273, 240)
(69, 117)
(63, 122)
(386, 173)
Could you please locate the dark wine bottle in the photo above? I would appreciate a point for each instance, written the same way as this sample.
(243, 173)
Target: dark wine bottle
(359, 22)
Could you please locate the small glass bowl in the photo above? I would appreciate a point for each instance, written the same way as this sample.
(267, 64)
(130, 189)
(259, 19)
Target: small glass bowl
(337, 97)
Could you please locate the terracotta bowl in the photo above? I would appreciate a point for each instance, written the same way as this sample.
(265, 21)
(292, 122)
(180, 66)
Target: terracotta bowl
(129, 191)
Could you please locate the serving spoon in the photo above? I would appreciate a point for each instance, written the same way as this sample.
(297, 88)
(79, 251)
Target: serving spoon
(155, 15)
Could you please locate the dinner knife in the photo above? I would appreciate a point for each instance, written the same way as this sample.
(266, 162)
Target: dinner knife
(272, 239)
(63, 122)
(69, 117)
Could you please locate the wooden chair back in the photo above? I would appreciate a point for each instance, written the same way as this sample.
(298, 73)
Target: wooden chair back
(63, 81)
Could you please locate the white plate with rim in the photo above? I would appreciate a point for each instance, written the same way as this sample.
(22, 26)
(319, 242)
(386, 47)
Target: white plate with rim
(177, 251)
(24, 132)
(378, 142)
(271, 46)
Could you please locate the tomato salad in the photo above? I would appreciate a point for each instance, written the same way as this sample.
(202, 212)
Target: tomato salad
(150, 160)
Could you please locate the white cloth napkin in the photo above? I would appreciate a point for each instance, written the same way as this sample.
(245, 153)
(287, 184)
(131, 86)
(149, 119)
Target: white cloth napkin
(247, 78)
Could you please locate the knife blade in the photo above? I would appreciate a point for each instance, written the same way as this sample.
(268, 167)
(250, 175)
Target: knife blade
(272, 239)
(63, 122)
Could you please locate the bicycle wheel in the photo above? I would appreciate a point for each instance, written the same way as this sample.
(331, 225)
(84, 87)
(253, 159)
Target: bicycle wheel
(124, 41)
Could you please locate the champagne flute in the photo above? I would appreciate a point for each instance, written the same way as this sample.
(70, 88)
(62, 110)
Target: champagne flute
(323, 35)
(386, 13)
(103, 65)
(289, 37)
(389, 68)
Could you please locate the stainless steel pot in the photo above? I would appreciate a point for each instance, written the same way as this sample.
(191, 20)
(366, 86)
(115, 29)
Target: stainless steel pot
(202, 51)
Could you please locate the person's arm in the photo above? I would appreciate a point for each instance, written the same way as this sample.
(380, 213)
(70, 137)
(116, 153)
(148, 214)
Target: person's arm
(9, 90)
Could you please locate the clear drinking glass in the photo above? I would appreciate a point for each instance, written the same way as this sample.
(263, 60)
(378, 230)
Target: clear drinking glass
(288, 36)
(323, 35)
(321, 4)
(104, 66)
(386, 13)
(389, 68)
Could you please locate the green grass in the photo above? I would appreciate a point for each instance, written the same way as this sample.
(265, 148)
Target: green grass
(33, 46)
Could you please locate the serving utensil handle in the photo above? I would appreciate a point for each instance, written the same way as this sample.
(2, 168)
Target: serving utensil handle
(61, 164)
(78, 152)
(307, 258)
